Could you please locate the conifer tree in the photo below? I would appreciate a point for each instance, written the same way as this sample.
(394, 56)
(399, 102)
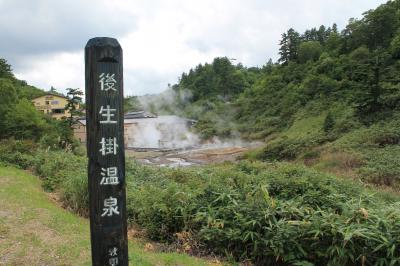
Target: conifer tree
(74, 99)
(289, 46)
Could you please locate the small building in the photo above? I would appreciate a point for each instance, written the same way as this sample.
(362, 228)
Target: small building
(79, 129)
(52, 104)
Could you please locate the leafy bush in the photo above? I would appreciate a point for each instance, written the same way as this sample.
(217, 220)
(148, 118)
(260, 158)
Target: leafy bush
(270, 213)
(17, 152)
(329, 123)
(74, 193)
(288, 148)
(56, 166)
(382, 166)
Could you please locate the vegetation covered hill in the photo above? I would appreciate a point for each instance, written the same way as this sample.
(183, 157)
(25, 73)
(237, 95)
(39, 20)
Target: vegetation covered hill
(317, 70)
(332, 100)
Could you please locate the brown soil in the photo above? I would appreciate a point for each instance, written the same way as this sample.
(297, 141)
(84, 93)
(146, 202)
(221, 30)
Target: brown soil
(190, 157)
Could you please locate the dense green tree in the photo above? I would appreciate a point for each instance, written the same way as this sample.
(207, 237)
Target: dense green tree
(269, 66)
(395, 46)
(333, 43)
(27, 91)
(377, 68)
(5, 70)
(284, 49)
(132, 104)
(25, 122)
(353, 36)
(8, 99)
(74, 100)
(380, 25)
(289, 46)
(334, 28)
(375, 30)
(223, 69)
(322, 34)
(310, 50)
(219, 79)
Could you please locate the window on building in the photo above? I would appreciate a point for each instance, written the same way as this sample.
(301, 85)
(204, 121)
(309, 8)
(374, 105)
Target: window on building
(58, 111)
(54, 102)
(47, 102)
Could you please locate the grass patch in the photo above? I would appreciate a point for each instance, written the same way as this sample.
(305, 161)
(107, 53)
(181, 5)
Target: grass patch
(35, 231)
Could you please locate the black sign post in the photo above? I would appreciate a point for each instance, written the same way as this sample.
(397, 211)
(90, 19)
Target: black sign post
(105, 150)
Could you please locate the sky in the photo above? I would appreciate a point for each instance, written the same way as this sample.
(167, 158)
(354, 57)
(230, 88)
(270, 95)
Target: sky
(44, 40)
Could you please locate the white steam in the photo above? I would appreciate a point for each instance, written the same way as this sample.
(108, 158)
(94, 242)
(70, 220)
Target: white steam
(173, 131)
(166, 102)
(163, 132)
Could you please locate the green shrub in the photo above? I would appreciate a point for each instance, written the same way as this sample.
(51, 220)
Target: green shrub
(269, 213)
(56, 166)
(329, 122)
(287, 149)
(382, 166)
(311, 154)
(74, 193)
(17, 152)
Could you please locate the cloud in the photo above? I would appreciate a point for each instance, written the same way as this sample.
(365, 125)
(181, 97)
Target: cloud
(60, 70)
(44, 39)
(46, 26)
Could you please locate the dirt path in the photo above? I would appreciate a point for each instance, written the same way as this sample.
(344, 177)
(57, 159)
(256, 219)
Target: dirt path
(35, 231)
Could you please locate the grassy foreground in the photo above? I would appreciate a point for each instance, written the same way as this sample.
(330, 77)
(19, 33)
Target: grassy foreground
(35, 231)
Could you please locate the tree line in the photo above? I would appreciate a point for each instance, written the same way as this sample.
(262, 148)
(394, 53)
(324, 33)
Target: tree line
(358, 65)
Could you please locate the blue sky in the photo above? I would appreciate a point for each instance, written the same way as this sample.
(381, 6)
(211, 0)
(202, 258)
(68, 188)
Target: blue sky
(44, 39)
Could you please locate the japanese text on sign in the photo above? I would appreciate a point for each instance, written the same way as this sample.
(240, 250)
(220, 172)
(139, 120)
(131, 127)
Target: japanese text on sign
(110, 207)
(107, 82)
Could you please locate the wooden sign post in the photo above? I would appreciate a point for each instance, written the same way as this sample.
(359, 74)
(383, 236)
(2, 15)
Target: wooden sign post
(105, 150)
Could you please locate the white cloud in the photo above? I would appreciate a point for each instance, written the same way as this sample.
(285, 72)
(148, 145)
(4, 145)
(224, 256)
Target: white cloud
(60, 70)
(160, 39)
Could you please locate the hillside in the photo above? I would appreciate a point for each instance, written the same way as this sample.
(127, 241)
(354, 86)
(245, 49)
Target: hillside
(331, 101)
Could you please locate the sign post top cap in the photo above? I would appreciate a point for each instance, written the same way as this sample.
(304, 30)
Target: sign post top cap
(103, 41)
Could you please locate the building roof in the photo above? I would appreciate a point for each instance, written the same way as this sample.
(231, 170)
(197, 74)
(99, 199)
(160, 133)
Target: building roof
(139, 114)
(133, 118)
(53, 94)
(82, 121)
